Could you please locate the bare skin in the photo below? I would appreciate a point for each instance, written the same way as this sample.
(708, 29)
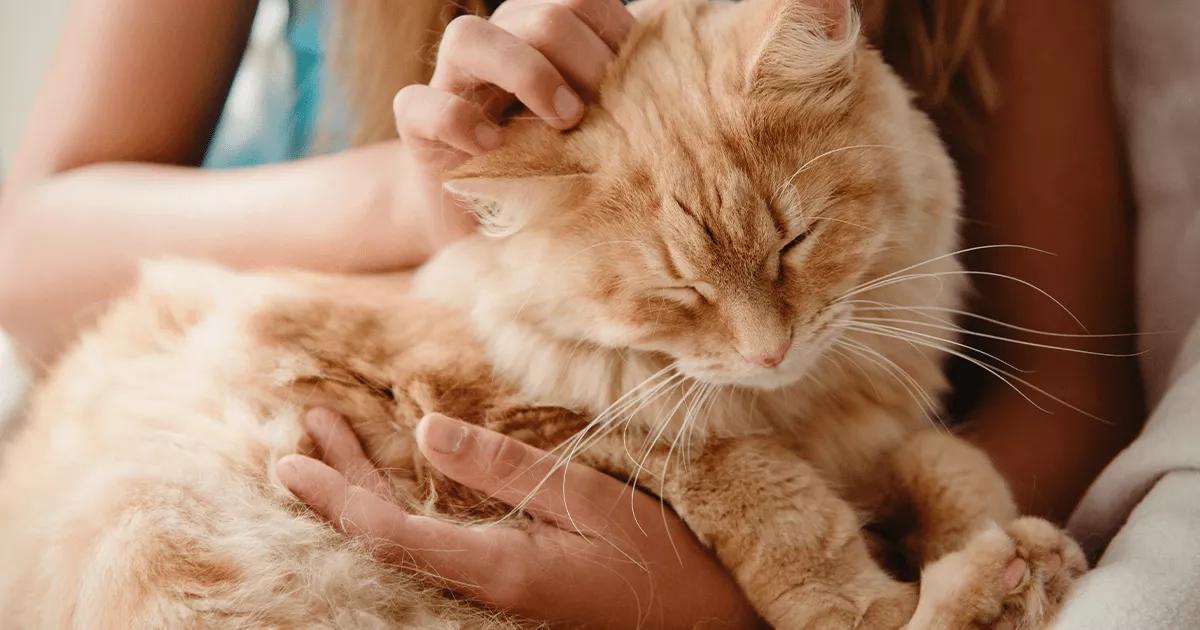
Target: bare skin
(689, 590)
(1053, 179)
(94, 151)
(106, 172)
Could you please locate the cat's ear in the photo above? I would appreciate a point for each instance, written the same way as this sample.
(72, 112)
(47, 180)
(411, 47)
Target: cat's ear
(801, 41)
(504, 205)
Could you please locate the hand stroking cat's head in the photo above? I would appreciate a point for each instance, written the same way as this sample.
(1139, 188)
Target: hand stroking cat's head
(747, 165)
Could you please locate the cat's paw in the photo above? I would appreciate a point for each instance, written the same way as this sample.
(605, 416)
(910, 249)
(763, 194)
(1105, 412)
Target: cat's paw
(1013, 578)
(1046, 565)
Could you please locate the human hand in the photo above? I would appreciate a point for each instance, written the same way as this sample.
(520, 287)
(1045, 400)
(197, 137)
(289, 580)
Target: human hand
(600, 554)
(548, 54)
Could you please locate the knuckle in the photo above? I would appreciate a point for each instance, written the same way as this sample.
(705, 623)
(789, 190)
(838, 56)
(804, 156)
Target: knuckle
(453, 120)
(404, 98)
(548, 26)
(578, 6)
(510, 583)
(505, 458)
(458, 31)
(536, 79)
(549, 19)
(457, 113)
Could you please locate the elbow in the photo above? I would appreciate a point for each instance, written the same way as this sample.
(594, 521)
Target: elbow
(10, 266)
(17, 280)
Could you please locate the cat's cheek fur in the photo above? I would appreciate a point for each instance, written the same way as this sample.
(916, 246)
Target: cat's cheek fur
(141, 493)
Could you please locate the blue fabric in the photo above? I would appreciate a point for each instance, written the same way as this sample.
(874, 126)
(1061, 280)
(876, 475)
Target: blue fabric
(284, 116)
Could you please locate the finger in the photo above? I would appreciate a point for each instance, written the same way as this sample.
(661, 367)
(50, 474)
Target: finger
(574, 497)
(475, 51)
(434, 115)
(464, 556)
(339, 447)
(644, 9)
(565, 39)
(608, 19)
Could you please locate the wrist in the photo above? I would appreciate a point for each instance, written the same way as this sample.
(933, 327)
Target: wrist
(383, 229)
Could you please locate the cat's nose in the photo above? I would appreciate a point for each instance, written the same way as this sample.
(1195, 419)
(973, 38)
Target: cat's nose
(770, 358)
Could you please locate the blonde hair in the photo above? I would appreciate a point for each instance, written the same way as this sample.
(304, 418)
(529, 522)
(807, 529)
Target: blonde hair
(940, 47)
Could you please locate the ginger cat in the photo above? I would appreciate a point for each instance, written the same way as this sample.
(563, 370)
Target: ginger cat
(717, 272)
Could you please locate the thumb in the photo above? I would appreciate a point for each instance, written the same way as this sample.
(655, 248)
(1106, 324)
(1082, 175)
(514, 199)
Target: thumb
(571, 496)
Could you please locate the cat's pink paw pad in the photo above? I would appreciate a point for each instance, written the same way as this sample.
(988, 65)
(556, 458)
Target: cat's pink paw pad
(1012, 578)
(1015, 573)
(1047, 563)
(1055, 560)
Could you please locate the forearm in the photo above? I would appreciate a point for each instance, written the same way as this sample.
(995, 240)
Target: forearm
(72, 241)
(1052, 179)
(1050, 459)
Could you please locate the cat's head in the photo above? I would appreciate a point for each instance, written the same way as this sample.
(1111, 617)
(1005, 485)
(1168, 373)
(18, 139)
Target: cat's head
(747, 165)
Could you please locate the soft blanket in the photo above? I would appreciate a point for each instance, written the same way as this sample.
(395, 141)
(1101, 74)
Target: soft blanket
(1149, 497)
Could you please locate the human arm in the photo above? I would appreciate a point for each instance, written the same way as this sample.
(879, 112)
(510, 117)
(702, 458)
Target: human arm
(104, 176)
(601, 553)
(1053, 179)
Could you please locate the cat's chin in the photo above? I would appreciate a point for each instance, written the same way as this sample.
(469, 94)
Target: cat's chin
(759, 379)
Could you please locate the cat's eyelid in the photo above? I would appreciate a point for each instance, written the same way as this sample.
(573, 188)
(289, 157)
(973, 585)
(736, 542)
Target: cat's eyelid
(699, 288)
(798, 238)
(795, 242)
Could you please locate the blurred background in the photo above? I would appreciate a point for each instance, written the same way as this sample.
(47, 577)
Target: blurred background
(28, 33)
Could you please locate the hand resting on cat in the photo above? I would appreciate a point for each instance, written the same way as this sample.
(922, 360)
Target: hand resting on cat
(699, 324)
(578, 571)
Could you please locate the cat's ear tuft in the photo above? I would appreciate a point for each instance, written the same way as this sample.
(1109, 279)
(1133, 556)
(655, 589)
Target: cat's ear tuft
(505, 205)
(802, 41)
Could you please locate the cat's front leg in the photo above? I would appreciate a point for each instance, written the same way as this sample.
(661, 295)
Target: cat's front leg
(975, 573)
(794, 545)
(1014, 577)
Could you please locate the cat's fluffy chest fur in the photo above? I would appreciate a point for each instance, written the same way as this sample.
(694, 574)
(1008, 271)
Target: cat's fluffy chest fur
(841, 418)
(776, 238)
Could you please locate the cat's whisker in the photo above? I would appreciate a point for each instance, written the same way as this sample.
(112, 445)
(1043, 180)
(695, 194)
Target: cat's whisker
(873, 305)
(564, 452)
(969, 272)
(852, 147)
(688, 417)
(836, 220)
(794, 211)
(1000, 373)
(926, 401)
(688, 440)
(907, 382)
(651, 441)
(842, 354)
(941, 257)
(705, 388)
(953, 342)
(1021, 342)
(997, 372)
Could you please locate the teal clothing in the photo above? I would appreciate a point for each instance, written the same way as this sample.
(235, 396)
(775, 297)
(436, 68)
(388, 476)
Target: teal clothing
(278, 122)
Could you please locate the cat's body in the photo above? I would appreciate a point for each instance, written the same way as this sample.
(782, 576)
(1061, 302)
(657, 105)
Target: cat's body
(141, 493)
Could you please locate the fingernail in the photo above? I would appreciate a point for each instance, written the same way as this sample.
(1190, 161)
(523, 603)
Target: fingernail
(443, 434)
(567, 105)
(488, 136)
(288, 469)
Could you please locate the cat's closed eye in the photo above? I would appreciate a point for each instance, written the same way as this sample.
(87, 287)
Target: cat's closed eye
(689, 293)
(795, 242)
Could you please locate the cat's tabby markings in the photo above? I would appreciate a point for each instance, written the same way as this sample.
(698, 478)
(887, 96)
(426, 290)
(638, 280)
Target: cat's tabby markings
(681, 275)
